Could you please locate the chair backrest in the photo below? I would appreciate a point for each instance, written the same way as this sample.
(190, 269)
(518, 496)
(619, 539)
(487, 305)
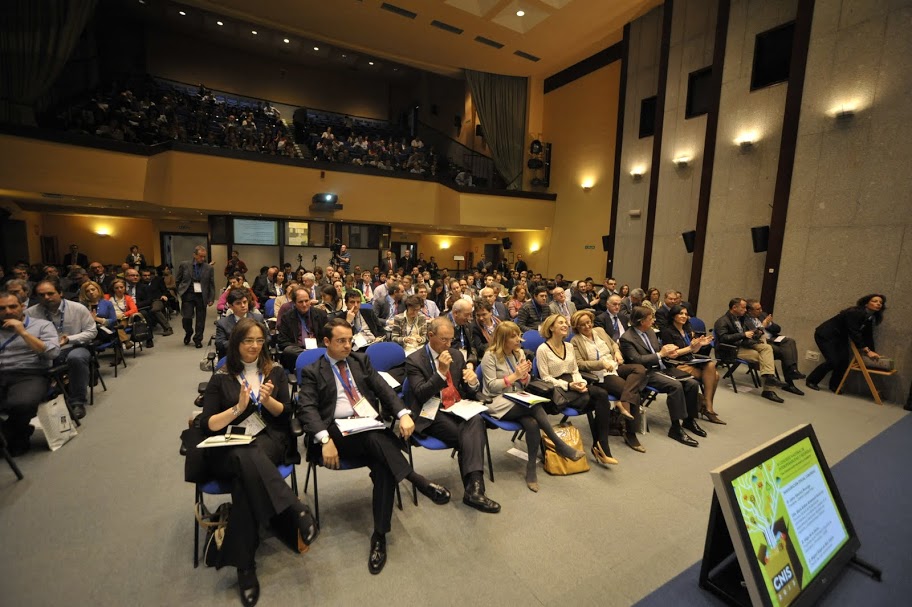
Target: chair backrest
(307, 357)
(532, 340)
(385, 355)
(269, 308)
(697, 325)
(367, 307)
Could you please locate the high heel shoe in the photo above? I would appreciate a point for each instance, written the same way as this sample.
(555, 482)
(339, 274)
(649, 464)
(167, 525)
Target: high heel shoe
(711, 417)
(623, 410)
(601, 458)
(533, 486)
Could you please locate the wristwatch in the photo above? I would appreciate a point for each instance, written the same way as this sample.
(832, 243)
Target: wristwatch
(324, 440)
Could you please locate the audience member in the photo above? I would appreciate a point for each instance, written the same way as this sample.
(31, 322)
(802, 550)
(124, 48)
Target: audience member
(239, 308)
(534, 312)
(135, 259)
(702, 369)
(750, 344)
(298, 328)
(409, 328)
(196, 287)
(784, 348)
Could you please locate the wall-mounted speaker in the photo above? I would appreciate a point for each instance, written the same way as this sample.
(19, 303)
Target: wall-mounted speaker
(457, 121)
(606, 243)
(689, 240)
(479, 132)
(507, 244)
(760, 237)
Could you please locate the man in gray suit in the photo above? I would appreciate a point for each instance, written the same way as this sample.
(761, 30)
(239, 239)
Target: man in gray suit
(196, 288)
(560, 303)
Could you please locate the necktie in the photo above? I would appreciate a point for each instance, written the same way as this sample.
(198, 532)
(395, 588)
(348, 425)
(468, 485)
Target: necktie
(564, 311)
(617, 330)
(449, 395)
(350, 391)
(651, 349)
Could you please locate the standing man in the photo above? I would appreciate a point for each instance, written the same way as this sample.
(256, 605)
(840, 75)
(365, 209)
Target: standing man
(29, 345)
(342, 385)
(75, 258)
(196, 288)
(520, 265)
(432, 268)
(406, 263)
(439, 371)
(75, 330)
(136, 259)
(343, 258)
(389, 263)
(235, 264)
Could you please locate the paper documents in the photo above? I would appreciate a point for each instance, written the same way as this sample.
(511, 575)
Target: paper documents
(525, 398)
(354, 425)
(389, 379)
(226, 441)
(467, 409)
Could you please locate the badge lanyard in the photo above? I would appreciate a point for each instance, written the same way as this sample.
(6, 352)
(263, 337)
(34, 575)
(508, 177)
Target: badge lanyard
(254, 396)
(351, 395)
(15, 335)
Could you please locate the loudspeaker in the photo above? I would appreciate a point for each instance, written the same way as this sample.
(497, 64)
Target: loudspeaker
(507, 243)
(606, 243)
(457, 121)
(479, 132)
(760, 237)
(689, 239)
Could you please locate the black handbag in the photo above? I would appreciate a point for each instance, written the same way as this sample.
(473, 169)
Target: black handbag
(559, 398)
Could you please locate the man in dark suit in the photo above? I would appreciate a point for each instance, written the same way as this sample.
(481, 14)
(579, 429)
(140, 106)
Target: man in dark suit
(142, 295)
(579, 295)
(639, 345)
(672, 298)
(406, 263)
(259, 284)
(343, 384)
(520, 265)
(390, 305)
(461, 317)
(153, 294)
(239, 304)
(299, 328)
(196, 288)
(75, 258)
(438, 371)
(614, 320)
(751, 344)
(498, 309)
(785, 349)
(97, 273)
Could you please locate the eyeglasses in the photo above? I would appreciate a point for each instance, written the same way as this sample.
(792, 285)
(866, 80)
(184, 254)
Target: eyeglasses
(253, 341)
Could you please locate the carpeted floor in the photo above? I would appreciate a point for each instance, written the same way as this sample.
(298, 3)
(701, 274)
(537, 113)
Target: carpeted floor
(107, 520)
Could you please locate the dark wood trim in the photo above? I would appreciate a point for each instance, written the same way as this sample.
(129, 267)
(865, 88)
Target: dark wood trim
(792, 114)
(709, 153)
(586, 66)
(668, 12)
(618, 147)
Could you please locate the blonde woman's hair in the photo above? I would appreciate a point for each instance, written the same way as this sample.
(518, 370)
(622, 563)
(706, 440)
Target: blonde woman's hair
(503, 331)
(545, 329)
(577, 318)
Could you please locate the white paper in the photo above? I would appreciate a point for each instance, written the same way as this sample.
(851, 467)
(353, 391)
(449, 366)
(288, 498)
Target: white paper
(223, 441)
(310, 343)
(389, 379)
(364, 409)
(359, 341)
(467, 409)
(353, 425)
(779, 339)
(253, 425)
(429, 409)
(525, 398)
(197, 287)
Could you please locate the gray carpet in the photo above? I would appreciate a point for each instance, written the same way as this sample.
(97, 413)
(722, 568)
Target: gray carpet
(107, 520)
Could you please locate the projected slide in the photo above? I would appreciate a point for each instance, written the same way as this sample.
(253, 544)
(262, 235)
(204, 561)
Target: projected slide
(256, 231)
(792, 519)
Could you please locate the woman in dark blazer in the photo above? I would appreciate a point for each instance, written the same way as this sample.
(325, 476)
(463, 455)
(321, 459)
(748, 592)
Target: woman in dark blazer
(247, 387)
(855, 323)
(678, 332)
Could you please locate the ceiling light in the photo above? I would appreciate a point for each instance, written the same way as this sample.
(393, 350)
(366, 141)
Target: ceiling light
(254, 32)
(370, 62)
(219, 23)
(520, 13)
(344, 55)
(316, 48)
(286, 40)
(182, 13)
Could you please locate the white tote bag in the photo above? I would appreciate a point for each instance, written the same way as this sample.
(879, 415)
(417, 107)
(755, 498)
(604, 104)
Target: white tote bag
(55, 421)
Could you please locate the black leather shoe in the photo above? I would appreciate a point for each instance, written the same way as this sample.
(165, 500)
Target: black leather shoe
(770, 395)
(150, 344)
(474, 497)
(187, 339)
(770, 381)
(436, 493)
(307, 526)
(793, 389)
(691, 424)
(795, 374)
(377, 558)
(812, 386)
(679, 435)
(248, 586)
(198, 344)
(79, 411)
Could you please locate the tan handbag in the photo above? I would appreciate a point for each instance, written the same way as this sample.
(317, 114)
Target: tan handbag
(561, 466)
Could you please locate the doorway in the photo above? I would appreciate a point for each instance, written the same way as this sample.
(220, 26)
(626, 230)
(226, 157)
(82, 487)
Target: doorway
(176, 248)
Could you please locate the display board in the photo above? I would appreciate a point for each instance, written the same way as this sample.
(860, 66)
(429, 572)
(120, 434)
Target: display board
(256, 231)
(788, 525)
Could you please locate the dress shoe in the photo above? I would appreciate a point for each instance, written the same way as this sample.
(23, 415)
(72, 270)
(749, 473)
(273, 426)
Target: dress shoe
(307, 528)
(79, 411)
(711, 416)
(623, 410)
(601, 457)
(167, 332)
(187, 339)
(533, 486)
(198, 344)
(679, 435)
(150, 344)
(249, 586)
(377, 558)
(793, 389)
(474, 497)
(770, 381)
(633, 442)
(436, 493)
(693, 426)
(812, 386)
(795, 374)
(770, 395)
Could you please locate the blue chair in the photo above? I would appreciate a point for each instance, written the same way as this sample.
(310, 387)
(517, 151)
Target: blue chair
(305, 358)
(492, 422)
(269, 307)
(697, 325)
(385, 355)
(727, 357)
(215, 487)
(531, 340)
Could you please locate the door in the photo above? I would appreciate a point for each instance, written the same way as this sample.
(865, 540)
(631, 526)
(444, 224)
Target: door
(13, 242)
(179, 247)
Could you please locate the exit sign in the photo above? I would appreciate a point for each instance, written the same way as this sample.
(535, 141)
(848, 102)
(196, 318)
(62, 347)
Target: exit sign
(589, 246)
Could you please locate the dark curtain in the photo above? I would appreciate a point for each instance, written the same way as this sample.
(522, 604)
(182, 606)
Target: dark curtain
(36, 39)
(501, 104)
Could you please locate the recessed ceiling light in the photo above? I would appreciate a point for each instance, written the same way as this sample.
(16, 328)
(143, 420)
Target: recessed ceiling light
(219, 23)
(286, 40)
(395, 69)
(344, 55)
(520, 13)
(182, 13)
(370, 62)
(316, 48)
(254, 32)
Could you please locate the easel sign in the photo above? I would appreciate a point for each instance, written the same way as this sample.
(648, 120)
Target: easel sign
(779, 532)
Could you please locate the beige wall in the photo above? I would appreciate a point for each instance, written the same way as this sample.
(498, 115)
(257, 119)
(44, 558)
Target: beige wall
(633, 194)
(850, 213)
(580, 120)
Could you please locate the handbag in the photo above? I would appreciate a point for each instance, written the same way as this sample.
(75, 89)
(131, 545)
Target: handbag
(555, 464)
(54, 419)
(215, 524)
(561, 398)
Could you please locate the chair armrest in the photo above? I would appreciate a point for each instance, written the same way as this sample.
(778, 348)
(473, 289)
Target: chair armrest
(296, 428)
(202, 387)
(58, 368)
(591, 378)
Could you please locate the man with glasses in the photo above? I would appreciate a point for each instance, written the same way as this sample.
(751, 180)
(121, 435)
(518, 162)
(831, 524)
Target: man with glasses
(343, 385)
(27, 345)
(97, 274)
(438, 378)
(614, 320)
(785, 349)
(196, 288)
(299, 328)
(75, 330)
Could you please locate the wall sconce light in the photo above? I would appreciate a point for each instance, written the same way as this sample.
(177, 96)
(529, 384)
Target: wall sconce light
(587, 184)
(103, 232)
(682, 162)
(444, 244)
(637, 172)
(746, 140)
(534, 247)
(844, 113)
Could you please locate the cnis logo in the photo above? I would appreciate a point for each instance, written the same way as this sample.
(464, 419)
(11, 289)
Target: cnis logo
(782, 578)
